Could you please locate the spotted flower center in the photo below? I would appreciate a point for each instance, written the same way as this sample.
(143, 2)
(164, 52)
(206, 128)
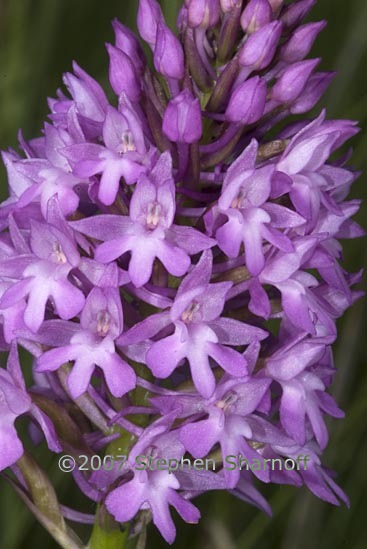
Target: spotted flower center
(226, 402)
(58, 253)
(189, 314)
(150, 454)
(103, 323)
(238, 202)
(127, 143)
(154, 215)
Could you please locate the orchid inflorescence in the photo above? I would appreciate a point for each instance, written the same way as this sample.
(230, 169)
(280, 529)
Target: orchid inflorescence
(172, 263)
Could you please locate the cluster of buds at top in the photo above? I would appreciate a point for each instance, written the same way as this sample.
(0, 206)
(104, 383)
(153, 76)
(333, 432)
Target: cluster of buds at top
(174, 271)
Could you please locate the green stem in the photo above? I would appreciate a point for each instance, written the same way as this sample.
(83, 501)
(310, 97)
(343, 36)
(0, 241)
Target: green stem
(41, 489)
(44, 504)
(107, 533)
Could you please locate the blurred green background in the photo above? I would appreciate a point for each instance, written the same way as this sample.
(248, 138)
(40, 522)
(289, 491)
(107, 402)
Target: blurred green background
(38, 41)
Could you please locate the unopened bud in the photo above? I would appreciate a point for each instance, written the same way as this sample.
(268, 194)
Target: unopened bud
(149, 15)
(247, 103)
(123, 75)
(256, 14)
(126, 41)
(295, 12)
(230, 5)
(182, 119)
(203, 13)
(293, 81)
(275, 4)
(301, 41)
(259, 49)
(312, 93)
(168, 53)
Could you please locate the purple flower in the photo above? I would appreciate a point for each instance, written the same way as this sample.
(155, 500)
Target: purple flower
(295, 367)
(153, 489)
(302, 305)
(315, 476)
(149, 232)
(13, 317)
(173, 263)
(303, 161)
(14, 402)
(199, 333)
(123, 155)
(91, 345)
(182, 119)
(89, 98)
(41, 273)
(251, 219)
(50, 176)
(227, 410)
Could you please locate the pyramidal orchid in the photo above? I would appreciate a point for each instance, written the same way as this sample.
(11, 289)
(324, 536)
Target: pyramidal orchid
(171, 260)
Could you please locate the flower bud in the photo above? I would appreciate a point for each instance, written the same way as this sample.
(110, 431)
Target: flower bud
(275, 4)
(259, 49)
(44, 498)
(256, 14)
(203, 13)
(149, 15)
(122, 74)
(313, 91)
(293, 81)
(182, 119)
(247, 102)
(301, 41)
(295, 12)
(229, 5)
(168, 53)
(90, 99)
(126, 41)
